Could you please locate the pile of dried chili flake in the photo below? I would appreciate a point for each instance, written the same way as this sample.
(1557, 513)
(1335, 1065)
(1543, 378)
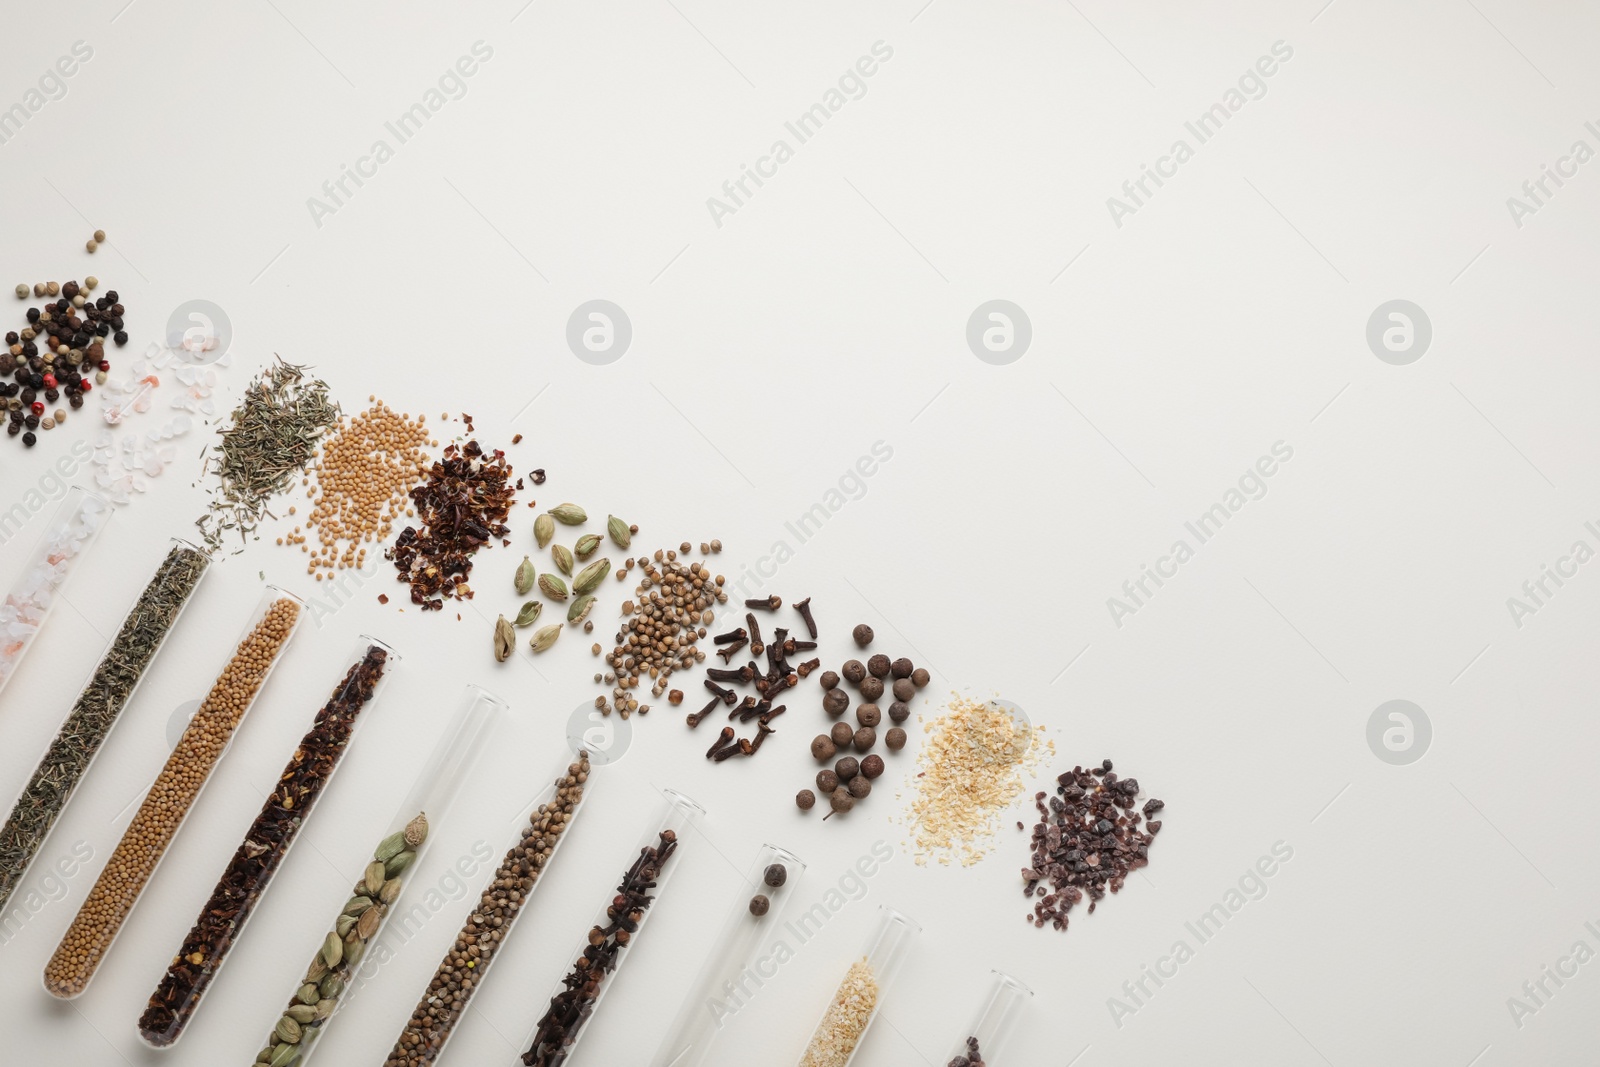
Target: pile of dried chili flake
(460, 508)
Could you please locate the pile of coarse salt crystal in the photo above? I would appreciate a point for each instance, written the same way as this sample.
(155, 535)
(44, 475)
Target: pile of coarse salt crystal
(970, 770)
(122, 468)
(23, 611)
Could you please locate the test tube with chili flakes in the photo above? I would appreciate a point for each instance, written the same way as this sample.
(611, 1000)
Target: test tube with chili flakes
(266, 844)
(132, 864)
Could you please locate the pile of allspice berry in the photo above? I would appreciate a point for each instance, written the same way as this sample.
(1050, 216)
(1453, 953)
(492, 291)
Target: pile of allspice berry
(850, 779)
(58, 352)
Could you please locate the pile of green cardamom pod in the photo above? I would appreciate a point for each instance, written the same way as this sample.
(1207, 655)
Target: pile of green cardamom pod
(584, 583)
(341, 951)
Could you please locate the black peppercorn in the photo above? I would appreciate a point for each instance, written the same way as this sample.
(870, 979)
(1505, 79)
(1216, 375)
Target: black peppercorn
(30, 439)
(121, 338)
(33, 315)
(111, 296)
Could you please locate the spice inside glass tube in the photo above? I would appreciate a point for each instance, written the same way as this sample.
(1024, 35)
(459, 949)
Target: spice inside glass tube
(576, 999)
(331, 977)
(754, 918)
(984, 1040)
(484, 935)
(109, 689)
(859, 996)
(249, 872)
(156, 823)
(66, 538)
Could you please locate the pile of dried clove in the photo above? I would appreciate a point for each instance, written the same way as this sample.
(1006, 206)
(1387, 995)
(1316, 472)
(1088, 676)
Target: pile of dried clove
(769, 682)
(659, 631)
(851, 778)
(1088, 839)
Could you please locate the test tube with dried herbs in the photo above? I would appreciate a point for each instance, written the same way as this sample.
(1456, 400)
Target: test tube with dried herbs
(331, 974)
(250, 871)
(109, 689)
(484, 934)
(87, 941)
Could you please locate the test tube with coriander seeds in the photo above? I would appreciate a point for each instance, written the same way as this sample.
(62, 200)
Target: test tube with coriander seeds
(985, 1038)
(111, 686)
(66, 539)
(574, 1001)
(170, 799)
(855, 1003)
(542, 827)
(754, 916)
(266, 844)
(331, 977)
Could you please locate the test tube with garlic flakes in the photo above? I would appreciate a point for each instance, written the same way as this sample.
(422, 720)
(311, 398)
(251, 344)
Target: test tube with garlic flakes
(332, 973)
(172, 796)
(855, 1003)
(985, 1037)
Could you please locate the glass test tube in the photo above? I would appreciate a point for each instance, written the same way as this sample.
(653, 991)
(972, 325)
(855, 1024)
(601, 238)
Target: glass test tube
(577, 996)
(110, 688)
(733, 967)
(321, 992)
(172, 796)
(983, 1041)
(72, 529)
(543, 826)
(265, 846)
(855, 1004)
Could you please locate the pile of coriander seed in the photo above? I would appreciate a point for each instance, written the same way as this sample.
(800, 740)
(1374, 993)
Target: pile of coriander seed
(660, 628)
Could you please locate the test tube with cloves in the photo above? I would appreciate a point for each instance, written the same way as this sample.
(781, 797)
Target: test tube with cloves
(574, 1001)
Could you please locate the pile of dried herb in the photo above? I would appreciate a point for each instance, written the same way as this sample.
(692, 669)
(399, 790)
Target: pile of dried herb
(274, 433)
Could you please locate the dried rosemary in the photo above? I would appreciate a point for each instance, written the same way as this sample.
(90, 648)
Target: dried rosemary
(274, 434)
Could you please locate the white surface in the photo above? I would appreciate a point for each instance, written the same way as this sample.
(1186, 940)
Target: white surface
(827, 314)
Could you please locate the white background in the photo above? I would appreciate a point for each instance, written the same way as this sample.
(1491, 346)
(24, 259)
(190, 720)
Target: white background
(769, 354)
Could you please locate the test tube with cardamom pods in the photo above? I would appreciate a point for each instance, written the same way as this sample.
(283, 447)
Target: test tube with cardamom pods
(735, 965)
(170, 799)
(856, 1002)
(542, 828)
(333, 975)
(576, 999)
(984, 1039)
(266, 844)
(111, 685)
(66, 539)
